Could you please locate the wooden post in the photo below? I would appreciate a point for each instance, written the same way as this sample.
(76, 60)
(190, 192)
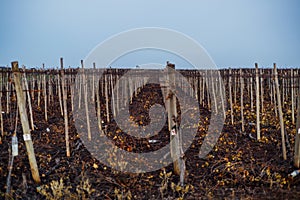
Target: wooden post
(98, 102)
(213, 83)
(85, 93)
(208, 94)
(118, 93)
(257, 103)
(93, 83)
(196, 85)
(8, 89)
(72, 85)
(65, 96)
(49, 90)
(1, 116)
(175, 143)
(280, 113)
(292, 96)
(79, 92)
(248, 83)
(251, 93)
(45, 94)
(39, 90)
(203, 89)
(113, 106)
(270, 86)
(223, 95)
(131, 90)
(33, 87)
(234, 86)
(200, 89)
(230, 96)
(28, 99)
(25, 123)
(283, 89)
(107, 98)
(262, 90)
(59, 96)
(274, 97)
(297, 137)
(242, 99)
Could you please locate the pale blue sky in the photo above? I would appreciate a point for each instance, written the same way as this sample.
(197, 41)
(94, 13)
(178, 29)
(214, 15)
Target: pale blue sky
(234, 32)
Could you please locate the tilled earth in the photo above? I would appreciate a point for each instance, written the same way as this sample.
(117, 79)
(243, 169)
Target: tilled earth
(238, 167)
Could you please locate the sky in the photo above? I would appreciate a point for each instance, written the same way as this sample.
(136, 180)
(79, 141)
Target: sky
(235, 33)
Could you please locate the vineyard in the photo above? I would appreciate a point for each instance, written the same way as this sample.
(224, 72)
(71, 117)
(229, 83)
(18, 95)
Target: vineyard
(44, 110)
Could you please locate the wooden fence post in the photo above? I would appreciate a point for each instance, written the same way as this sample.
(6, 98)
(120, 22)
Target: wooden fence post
(97, 88)
(251, 93)
(45, 94)
(38, 79)
(28, 98)
(242, 99)
(25, 123)
(65, 97)
(59, 95)
(274, 97)
(280, 113)
(230, 96)
(292, 96)
(85, 93)
(93, 83)
(1, 116)
(262, 90)
(223, 94)
(107, 97)
(175, 143)
(257, 103)
(297, 137)
(8, 89)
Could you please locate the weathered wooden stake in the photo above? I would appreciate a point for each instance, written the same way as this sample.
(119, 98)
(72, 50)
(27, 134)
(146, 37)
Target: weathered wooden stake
(223, 95)
(297, 138)
(230, 97)
(98, 105)
(274, 98)
(280, 113)
(234, 86)
(45, 94)
(175, 146)
(28, 99)
(242, 99)
(292, 96)
(79, 92)
(25, 123)
(59, 96)
(262, 90)
(113, 105)
(106, 98)
(65, 96)
(8, 89)
(1, 116)
(49, 90)
(85, 93)
(208, 94)
(72, 95)
(251, 93)
(213, 83)
(93, 83)
(39, 90)
(32, 87)
(257, 103)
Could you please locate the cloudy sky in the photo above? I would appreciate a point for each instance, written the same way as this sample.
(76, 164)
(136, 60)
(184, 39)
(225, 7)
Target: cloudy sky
(235, 33)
